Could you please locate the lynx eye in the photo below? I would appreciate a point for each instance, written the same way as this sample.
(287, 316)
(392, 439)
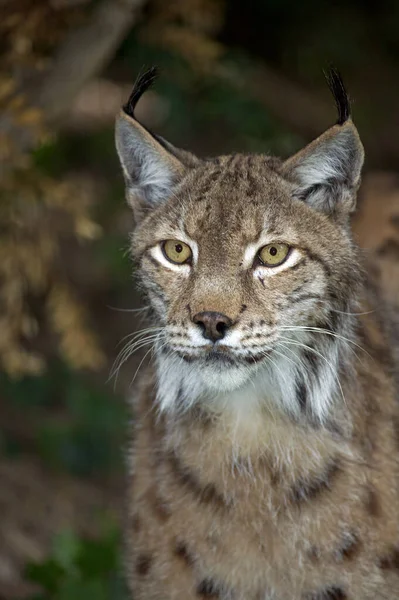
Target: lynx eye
(273, 255)
(176, 251)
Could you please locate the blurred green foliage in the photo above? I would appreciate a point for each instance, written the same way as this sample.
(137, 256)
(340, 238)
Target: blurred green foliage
(82, 569)
(77, 425)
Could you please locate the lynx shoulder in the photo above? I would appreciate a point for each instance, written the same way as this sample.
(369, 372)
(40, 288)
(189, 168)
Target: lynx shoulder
(265, 458)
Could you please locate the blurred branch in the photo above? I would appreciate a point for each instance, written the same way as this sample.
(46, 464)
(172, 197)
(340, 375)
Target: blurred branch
(83, 54)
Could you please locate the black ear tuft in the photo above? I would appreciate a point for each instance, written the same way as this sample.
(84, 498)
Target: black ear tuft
(341, 98)
(142, 84)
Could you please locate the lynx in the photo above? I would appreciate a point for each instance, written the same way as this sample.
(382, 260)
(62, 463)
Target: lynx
(264, 460)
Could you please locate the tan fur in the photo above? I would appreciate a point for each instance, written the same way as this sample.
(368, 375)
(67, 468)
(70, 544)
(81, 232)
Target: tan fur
(236, 491)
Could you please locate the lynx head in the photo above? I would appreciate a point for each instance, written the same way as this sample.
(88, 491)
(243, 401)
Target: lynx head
(248, 264)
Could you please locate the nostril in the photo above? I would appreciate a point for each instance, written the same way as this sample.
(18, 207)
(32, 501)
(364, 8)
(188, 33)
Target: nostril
(221, 327)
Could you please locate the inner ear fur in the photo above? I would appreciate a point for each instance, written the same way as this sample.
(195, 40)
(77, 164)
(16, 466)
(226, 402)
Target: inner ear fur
(328, 170)
(150, 170)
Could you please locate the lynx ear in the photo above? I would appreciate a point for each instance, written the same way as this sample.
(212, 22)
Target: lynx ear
(151, 166)
(328, 170)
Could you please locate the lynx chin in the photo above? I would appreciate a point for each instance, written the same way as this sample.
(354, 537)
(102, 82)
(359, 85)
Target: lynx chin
(264, 462)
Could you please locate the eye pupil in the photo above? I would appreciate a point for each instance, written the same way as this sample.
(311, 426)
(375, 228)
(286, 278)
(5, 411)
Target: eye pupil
(179, 248)
(273, 251)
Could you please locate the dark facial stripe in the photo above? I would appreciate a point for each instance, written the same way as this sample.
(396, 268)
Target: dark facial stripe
(207, 589)
(332, 593)
(302, 298)
(305, 490)
(327, 325)
(207, 494)
(208, 181)
(312, 360)
(253, 184)
(230, 161)
(154, 262)
(301, 395)
(155, 291)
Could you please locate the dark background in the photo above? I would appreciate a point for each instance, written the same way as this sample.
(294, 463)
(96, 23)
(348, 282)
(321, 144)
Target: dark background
(234, 76)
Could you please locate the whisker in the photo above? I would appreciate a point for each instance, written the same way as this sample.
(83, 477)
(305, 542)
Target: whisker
(290, 359)
(342, 312)
(134, 345)
(349, 348)
(320, 330)
(269, 359)
(152, 349)
(128, 351)
(139, 332)
(138, 368)
(131, 310)
(135, 342)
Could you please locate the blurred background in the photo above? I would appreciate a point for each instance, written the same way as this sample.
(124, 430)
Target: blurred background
(234, 77)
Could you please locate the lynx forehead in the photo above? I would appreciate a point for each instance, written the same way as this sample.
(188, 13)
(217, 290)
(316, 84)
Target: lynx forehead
(264, 463)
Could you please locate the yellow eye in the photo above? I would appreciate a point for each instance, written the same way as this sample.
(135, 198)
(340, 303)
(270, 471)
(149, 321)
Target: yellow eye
(273, 255)
(176, 251)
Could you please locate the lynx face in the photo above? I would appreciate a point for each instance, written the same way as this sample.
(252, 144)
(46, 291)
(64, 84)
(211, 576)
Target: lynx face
(245, 260)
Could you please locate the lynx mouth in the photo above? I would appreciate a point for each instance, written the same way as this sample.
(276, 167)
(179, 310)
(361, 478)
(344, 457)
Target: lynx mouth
(223, 357)
(221, 353)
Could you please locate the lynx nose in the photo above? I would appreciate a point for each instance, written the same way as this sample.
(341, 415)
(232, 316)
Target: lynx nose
(213, 324)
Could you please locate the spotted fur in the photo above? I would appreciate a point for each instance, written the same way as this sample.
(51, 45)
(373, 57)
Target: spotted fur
(263, 466)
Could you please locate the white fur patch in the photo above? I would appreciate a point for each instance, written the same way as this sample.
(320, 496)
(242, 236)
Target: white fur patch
(271, 383)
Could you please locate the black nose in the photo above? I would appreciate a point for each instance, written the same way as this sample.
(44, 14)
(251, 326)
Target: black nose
(213, 324)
